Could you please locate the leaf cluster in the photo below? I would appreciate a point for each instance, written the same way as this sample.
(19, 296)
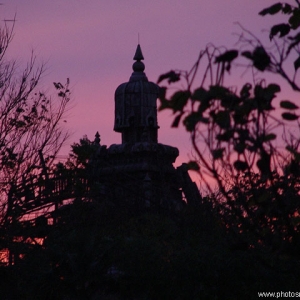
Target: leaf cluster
(237, 122)
(288, 30)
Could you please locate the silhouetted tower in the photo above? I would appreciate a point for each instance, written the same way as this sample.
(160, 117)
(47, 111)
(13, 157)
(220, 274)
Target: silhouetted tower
(140, 171)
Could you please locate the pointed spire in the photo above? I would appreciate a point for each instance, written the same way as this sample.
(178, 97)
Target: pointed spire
(138, 66)
(138, 53)
(97, 139)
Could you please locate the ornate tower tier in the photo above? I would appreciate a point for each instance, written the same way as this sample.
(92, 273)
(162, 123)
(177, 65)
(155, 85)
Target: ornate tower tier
(135, 105)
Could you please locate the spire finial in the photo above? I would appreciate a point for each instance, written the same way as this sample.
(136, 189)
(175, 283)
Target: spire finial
(138, 53)
(138, 66)
(97, 138)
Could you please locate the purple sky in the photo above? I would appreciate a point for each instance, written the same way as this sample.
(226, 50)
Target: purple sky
(93, 42)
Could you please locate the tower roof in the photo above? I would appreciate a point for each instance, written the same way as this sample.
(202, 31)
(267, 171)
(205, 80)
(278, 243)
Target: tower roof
(135, 105)
(138, 53)
(138, 66)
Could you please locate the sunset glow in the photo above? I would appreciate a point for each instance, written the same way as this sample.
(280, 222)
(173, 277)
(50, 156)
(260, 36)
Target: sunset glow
(93, 45)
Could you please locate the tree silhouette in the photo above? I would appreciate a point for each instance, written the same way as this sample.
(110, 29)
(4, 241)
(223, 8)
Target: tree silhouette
(235, 133)
(31, 132)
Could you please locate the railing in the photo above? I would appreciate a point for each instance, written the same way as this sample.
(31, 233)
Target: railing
(42, 191)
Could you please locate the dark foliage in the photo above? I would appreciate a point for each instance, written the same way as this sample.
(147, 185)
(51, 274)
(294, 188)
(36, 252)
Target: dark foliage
(242, 239)
(235, 133)
(99, 251)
